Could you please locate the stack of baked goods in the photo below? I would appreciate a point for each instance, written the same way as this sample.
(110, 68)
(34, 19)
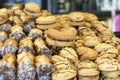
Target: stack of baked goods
(36, 45)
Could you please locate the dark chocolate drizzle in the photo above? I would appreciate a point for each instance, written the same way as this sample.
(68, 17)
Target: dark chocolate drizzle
(18, 36)
(26, 71)
(26, 49)
(44, 72)
(29, 26)
(45, 51)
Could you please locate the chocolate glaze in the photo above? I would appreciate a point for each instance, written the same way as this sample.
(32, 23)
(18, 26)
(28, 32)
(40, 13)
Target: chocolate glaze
(26, 49)
(10, 49)
(45, 51)
(44, 72)
(7, 71)
(5, 27)
(29, 26)
(3, 38)
(18, 36)
(34, 36)
(26, 71)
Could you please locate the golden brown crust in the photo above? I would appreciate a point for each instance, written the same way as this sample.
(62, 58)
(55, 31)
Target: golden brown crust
(1, 44)
(41, 59)
(10, 58)
(25, 56)
(16, 28)
(11, 42)
(35, 30)
(39, 44)
(86, 53)
(2, 33)
(45, 13)
(46, 20)
(26, 42)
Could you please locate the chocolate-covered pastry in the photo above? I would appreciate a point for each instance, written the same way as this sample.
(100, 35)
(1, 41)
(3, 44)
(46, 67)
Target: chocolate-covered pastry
(35, 33)
(7, 67)
(10, 46)
(42, 48)
(3, 36)
(44, 67)
(26, 45)
(25, 68)
(4, 16)
(27, 27)
(17, 33)
(6, 27)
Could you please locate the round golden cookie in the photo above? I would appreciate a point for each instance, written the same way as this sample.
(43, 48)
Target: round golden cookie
(62, 34)
(90, 17)
(88, 72)
(59, 43)
(25, 56)
(64, 74)
(86, 65)
(106, 48)
(11, 42)
(76, 16)
(32, 10)
(91, 41)
(41, 59)
(70, 54)
(46, 20)
(32, 7)
(26, 42)
(45, 13)
(86, 53)
(49, 26)
(73, 23)
(96, 77)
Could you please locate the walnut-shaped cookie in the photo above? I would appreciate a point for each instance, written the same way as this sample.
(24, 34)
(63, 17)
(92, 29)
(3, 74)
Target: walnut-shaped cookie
(26, 45)
(42, 48)
(25, 66)
(7, 67)
(17, 33)
(44, 67)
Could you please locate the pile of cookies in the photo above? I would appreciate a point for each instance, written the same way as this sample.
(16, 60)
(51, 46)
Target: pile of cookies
(36, 45)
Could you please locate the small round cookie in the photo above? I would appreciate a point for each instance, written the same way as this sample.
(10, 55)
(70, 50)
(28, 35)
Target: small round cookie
(32, 10)
(90, 17)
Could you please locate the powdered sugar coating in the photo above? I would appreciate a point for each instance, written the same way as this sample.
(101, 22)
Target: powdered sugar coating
(26, 71)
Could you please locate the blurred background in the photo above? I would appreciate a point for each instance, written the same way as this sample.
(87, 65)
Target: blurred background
(107, 10)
